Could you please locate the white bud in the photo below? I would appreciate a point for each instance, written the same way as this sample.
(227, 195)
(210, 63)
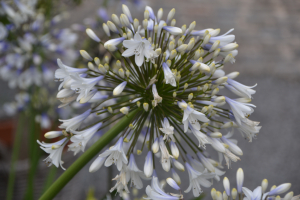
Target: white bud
(213, 193)
(124, 110)
(112, 27)
(53, 134)
(92, 34)
(159, 14)
(239, 179)
(229, 47)
(172, 183)
(206, 39)
(171, 15)
(219, 99)
(192, 26)
(148, 166)
(264, 185)
(214, 46)
(146, 106)
(146, 14)
(126, 11)
(191, 95)
(85, 55)
(216, 53)
(124, 20)
(119, 89)
(98, 162)
(155, 146)
(116, 20)
(174, 150)
(233, 193)
(136, 24)
(225, 197)
(226, 185)
(220, 80)
(216, 135)
(145, 23)
(173, 22)
(233, 75)
(288, 196)
(178, 165)
(121, 73)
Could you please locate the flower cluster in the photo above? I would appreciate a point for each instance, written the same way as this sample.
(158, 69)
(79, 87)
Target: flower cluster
(170, 78)
(29, 46)
(258, 193)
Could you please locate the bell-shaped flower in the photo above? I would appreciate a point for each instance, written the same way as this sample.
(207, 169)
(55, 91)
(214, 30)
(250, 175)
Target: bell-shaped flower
(134, 174)
(115, 155)
(239, 110)
(255, 195)
(155, 192)
(167, 129)
(140, 48)
(81, 138)
(121, 184)
(55, 151)
(198, 179)
(240, 89)
(157, 98)
(202, 138)
(84, 86)
(165, 156)
(169, 76)
(192, 117)
(75, 122)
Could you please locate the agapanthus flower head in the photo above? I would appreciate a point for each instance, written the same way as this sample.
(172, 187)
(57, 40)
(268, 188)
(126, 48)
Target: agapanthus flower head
(171, 78)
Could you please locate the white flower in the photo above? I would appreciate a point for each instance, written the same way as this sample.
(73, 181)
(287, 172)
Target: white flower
(140, 48)
(156, 96)
(134, 174)
(279, 189)
(81, 138)
(64, 72)
(54, 150)
(202, 138)
(240, 89)
(173, 184)
(169, 76)
(121, 184)
(224, 39)
(148, 166)
(167, 129)
(165, 156)
(197, 179)
(115, 155)
(155, 192)
(206, 162)
(240, 110)
(75, 122)
(239, 179)
(84, 86)
(191, 117)
(255, 195)
(226, 185)
(232, 144)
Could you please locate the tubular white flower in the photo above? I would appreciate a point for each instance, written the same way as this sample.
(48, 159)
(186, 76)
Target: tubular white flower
(97, 164)
(206, 162)
(165, 156)
(169, 76)
(202, 138)
(148, 166)
(197, 179)
(242, 90)
(155, 192)
(256, 194)
(121, 184)
(134, 174)
(54, 150)
(84, 86)
(115, 155)
(75, 122)
(167, 129)
(156, 96)
(119, 89)
(92, 35)
(239, 110)
(81, 138)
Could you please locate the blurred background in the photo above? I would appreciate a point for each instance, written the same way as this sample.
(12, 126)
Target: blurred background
(268, 34)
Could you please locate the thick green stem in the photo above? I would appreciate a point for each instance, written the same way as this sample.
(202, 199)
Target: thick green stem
(15, 154)
(87, 156)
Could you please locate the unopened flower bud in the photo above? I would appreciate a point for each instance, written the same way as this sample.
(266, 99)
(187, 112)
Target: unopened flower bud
(124, 20)
(112, 27)
(191, 44)
(233, 193)
(220, 80)
(53, 134)
(145, 23)
(159, 14)
(206, 39)
(121, 73)
(110, 110)
(171, 15)
(185, 85)
(138, 104)
(191, 95)
(155, 146)
(116, 20)
(205, 87)
(106, 29)
(182, 48)
(136, 24)
(124, 110)
(146, 106)
(85, 55)
(216, 53)
(213, 193)
(192, 26)
(173, 22)
(216, 135)
(214, 46)
(197, 55)
(146, 14)
(183, 28)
